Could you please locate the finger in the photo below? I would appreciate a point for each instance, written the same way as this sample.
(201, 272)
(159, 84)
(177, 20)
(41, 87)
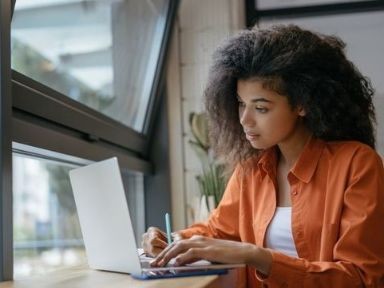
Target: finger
(155, 251)
(190, 256)
(157, 235)
(157, 242)
(146, 247)
(150, 236)
(161, 255)
(175, 249)
(164, 244)
(177, 236)
(153, 247)
(156, 232)
(153, 233)
(152, 251)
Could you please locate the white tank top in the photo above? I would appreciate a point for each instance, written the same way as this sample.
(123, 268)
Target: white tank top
(279, 233)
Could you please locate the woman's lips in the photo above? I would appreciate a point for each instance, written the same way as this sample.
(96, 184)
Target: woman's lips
(251, 136)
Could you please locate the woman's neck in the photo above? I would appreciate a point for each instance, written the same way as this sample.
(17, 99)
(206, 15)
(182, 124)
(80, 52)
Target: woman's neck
(291, 149)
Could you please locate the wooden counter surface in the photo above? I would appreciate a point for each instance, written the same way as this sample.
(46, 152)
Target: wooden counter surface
(82, 277)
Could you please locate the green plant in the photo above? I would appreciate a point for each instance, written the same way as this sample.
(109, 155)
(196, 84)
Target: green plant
(212, 181)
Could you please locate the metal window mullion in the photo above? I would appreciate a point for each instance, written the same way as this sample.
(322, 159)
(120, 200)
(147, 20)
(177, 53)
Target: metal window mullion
(30, 96)
(160, 68)
(6, 213)
(35, 135)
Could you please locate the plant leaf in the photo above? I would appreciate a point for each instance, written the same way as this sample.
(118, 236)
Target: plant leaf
(199, 128)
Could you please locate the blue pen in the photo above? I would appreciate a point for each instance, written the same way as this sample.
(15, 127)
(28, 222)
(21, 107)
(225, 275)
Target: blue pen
(168, 227)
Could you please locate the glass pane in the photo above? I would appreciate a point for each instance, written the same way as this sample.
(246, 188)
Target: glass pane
(46, 228)
(47, 234)
(102, 53)
(134, 191)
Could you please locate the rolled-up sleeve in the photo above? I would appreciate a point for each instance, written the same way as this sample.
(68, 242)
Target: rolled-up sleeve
(224, 220)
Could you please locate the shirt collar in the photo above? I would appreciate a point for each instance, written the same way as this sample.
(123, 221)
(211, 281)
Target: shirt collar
(305, 165)
(268, 161)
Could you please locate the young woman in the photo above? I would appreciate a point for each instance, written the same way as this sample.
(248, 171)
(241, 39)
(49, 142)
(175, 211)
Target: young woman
(304, 206)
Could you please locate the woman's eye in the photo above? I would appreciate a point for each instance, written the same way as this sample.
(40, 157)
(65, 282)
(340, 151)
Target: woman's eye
(262, 109)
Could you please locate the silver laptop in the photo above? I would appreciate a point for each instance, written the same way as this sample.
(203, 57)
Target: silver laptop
(107, 228)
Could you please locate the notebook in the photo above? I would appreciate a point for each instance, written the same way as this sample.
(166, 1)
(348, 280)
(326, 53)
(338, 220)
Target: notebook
(107, 230)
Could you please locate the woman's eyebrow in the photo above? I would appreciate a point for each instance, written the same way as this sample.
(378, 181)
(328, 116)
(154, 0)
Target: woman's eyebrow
(254, 100)
(260, 100)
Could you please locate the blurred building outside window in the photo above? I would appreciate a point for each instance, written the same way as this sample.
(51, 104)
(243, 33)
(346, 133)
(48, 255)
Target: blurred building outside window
(47, 233)
(102, 53)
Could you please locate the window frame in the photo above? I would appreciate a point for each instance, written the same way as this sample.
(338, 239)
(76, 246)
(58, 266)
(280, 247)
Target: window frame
(253, 15)
(64, 126)
(29, 96)
(6, 213)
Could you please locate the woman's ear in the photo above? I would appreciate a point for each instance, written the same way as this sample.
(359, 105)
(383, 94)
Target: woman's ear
(301, 111)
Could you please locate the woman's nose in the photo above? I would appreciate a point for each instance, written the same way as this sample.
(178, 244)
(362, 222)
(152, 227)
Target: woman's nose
(246, 117)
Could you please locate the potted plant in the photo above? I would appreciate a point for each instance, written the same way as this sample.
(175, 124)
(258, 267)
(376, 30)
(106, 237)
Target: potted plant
(211, 181)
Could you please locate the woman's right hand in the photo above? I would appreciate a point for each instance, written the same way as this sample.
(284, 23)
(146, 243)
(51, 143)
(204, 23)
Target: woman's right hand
(154, 241)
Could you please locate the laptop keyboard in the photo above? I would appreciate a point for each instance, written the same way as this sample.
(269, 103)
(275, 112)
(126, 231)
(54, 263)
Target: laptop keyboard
(145, 262)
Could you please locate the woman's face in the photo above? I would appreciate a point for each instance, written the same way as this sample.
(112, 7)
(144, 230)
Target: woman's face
(266, 116)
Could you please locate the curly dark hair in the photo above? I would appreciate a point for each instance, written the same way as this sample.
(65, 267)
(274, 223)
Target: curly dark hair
(310, 69)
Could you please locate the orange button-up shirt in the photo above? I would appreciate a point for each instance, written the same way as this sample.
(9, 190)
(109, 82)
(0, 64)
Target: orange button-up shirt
(337, 194)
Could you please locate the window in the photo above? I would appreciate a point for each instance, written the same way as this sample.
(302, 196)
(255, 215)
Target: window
(273, 4)
(85, 85)
(279, 9)
(46, 228)
(103, 54)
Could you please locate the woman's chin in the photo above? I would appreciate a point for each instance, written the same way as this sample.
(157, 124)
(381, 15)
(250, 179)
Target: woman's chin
(259, 145)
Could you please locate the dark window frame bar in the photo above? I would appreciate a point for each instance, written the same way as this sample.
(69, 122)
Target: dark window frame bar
(29, 96)
(6, 211)
(36, 135)
(156, 90)
(253, 15)
(13, 7)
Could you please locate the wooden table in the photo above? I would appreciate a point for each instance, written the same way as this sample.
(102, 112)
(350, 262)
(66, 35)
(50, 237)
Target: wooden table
(82, 277)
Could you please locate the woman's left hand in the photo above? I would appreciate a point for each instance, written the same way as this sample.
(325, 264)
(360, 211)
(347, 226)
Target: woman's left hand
(214, 250)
